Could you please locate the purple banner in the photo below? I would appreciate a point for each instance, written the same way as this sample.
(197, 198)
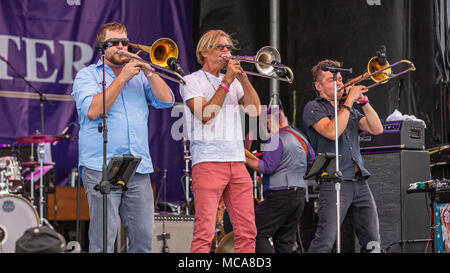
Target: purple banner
(49, 41)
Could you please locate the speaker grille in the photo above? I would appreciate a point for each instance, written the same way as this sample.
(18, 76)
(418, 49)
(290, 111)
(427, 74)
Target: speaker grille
(180, 229)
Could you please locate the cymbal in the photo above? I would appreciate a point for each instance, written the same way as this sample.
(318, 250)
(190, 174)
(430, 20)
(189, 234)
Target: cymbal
(36, 163)
(38, 139)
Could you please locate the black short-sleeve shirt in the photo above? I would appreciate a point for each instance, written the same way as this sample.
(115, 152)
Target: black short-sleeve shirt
(348, 142)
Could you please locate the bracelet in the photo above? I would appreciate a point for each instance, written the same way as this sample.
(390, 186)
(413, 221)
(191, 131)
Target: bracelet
(363, 101)
(347, 108)
(226, 82)
(149, 73)
(224, 87)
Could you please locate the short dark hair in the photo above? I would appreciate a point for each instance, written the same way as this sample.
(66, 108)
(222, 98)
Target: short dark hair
(101, 34)
(317, 69)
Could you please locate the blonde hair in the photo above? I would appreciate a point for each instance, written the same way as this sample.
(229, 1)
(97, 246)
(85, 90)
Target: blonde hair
(208, 40)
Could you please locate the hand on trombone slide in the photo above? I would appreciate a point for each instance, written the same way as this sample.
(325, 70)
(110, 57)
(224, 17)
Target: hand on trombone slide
(355, 93)
(134, 66)
(234, 70)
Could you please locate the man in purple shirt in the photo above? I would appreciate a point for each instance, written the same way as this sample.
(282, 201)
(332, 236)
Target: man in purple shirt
(283, 169)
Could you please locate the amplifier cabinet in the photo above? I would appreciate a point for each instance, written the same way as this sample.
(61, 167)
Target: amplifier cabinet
(402, 216)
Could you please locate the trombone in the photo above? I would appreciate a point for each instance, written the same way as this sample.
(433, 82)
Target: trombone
(160, 52)
(380, 74)
(267, 62)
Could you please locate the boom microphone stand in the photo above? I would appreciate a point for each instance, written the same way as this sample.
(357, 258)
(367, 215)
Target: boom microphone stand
(41, 147)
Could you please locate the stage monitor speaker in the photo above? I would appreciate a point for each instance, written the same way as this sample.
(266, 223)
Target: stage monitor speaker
(404, 218)
(179, 230)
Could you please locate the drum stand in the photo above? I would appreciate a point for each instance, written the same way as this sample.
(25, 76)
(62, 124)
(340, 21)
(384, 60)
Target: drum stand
(41, 151)
(32, 176)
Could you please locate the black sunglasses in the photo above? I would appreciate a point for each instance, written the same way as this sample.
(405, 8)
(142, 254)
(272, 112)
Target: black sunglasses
(116, 41)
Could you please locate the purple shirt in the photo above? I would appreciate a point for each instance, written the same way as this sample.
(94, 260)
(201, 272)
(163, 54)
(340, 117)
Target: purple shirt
(271, 159)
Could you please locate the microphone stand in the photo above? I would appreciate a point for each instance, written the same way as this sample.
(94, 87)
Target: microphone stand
(338, 174)
(104, 186)
(187, 159)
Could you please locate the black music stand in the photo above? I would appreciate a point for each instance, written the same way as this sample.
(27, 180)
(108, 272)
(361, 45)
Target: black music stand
(119, 171)
(323, 167)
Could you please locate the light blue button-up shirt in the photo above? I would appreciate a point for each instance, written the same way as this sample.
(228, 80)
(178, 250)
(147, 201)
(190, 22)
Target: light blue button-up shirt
(127, 118)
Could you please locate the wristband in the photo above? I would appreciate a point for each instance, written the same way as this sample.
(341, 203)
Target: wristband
(347, 108)
(224, 87)
(363, 101)
(149, 73)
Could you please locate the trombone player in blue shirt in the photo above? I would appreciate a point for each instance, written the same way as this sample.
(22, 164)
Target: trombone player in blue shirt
(130, 87)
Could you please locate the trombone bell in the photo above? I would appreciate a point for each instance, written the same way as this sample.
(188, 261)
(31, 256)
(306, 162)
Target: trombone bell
(373, 66)
(268, 62)
(267, 54)
(160, 51)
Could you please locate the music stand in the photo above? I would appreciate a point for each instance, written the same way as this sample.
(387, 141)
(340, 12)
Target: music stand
(119, 171)
(323, 167)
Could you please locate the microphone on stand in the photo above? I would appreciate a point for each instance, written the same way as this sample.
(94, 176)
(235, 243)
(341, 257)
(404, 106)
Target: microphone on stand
(334, 69)
(103, 46)
(63, 133)
(175, 65)
(381, 54)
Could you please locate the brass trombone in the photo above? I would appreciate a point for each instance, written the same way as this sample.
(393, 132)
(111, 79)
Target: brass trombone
(160, 52)
(268, 62)
(380, 74)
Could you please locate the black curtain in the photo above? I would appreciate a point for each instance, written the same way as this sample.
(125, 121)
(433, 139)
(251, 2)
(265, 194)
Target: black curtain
(350, 32)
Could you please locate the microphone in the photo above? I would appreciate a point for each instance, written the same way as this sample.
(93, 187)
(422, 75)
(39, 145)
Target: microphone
(103, 46)
(63, 133)
(175, 65)
(381, 54)
(334, 69)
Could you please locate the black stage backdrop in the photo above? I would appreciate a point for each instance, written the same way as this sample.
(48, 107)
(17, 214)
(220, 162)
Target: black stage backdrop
(351, 32)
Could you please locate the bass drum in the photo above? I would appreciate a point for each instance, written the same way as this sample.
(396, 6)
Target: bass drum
(16, 215)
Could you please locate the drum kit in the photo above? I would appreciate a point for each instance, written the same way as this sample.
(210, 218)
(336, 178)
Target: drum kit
(18, 211)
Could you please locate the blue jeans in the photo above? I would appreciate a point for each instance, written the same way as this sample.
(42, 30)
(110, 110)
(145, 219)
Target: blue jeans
(356, 199)
(135, 207)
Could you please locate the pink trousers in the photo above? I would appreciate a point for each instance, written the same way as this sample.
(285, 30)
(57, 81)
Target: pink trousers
(230, 180)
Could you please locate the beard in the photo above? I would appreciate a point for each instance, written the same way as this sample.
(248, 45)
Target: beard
(116, 59)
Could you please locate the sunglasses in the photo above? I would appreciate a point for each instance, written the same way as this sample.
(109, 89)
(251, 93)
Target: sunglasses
(221, 47)
(116, 41)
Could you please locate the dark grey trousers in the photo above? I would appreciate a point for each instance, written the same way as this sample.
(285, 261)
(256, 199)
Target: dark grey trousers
(356, 199)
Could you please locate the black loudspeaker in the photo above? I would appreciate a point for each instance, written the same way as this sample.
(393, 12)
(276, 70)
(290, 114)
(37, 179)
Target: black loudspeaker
(404, 218)
(179, 230)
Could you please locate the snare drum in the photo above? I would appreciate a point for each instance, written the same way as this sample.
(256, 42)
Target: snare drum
(16, 215)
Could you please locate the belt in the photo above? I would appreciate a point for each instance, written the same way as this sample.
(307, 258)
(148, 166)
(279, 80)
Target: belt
(285, 188)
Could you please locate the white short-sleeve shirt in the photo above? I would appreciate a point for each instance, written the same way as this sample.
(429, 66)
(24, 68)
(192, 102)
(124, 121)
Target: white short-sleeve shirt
(220, 139)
